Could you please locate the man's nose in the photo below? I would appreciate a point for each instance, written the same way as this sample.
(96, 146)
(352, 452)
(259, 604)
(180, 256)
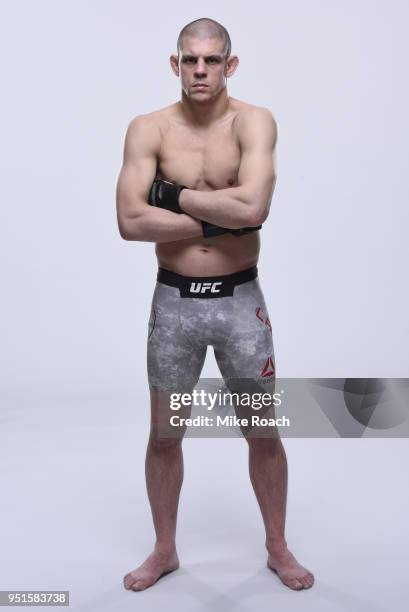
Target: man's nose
(200, 68)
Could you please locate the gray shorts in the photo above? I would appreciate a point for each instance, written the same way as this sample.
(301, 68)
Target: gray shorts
(190, 313)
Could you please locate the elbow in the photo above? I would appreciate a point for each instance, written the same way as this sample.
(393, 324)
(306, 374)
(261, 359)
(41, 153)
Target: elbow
(256, 217)
(256, 212)
(259, 207)
(262, 217)
(259, 213)
(125, 235)
(123, 229)
(129, 214)
(128, 231)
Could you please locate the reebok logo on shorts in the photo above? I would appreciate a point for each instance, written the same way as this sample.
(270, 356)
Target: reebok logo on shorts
(268, 369)
(260, 318)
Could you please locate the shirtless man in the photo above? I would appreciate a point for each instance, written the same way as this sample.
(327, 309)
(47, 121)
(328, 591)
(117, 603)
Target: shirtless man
(222, 151)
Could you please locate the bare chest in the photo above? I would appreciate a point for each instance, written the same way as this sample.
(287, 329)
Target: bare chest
(206, 159)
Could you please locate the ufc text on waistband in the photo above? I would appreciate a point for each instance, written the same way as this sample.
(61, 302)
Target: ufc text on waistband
(206, 286)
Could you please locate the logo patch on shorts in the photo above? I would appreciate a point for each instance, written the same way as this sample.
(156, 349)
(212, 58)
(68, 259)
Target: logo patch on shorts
(268, 369)
(266, 321)
(203, 287)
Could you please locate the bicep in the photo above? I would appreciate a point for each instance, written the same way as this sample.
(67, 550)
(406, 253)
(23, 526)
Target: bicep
(258, 164)
(138, 170)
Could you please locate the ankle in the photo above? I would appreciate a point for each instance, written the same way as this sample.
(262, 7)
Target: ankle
(276, 545)
(167, 547)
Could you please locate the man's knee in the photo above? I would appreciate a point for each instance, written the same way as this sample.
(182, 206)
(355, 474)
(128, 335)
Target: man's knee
(265, 445)
(158, 442)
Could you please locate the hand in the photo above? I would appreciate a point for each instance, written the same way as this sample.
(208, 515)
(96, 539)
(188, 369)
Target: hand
(165, 194)
(210, 230)
(244, 230)
(214, 230)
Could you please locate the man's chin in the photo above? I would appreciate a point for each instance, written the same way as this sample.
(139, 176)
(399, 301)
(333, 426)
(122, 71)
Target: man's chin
(200, 94)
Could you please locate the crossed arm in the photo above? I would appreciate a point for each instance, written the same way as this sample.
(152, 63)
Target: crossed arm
(248, 204)
(137, 220)
(242, 206)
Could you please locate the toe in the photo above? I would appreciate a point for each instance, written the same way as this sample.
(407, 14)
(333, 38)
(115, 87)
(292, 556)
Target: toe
(310, 578)
(128, 580)
(138, 585)
(295, 584)
(305, 582)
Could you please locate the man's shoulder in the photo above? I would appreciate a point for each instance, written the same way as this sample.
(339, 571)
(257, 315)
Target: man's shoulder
(146, 130)
(248, 114)
(255, 124)
(154, 119)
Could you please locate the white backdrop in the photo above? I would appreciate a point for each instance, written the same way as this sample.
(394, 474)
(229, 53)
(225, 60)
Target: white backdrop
(75, 298)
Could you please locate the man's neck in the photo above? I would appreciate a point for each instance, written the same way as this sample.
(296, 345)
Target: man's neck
(204, 114)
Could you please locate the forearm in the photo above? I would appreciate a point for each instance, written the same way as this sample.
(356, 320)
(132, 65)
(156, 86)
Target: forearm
(224, 207)
(160, 225)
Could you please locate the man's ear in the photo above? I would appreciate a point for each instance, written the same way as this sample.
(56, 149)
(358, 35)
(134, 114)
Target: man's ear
(174, 63)
(231, 65)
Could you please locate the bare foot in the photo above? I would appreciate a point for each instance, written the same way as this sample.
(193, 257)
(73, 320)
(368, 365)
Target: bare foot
(156, 565)
(290, 572)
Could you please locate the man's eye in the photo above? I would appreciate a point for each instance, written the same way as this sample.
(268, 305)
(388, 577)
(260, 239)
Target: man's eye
(189, 60)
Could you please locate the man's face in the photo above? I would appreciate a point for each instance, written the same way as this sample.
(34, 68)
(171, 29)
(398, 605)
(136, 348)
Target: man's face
(202, 67)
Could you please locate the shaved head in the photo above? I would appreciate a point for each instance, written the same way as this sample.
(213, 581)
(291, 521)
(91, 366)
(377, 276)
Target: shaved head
(206, 28)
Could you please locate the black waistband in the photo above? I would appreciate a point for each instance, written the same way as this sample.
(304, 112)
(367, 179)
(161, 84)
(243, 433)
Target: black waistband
(206, 286)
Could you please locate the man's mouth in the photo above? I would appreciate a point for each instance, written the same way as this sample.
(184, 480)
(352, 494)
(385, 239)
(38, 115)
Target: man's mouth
(200, 85)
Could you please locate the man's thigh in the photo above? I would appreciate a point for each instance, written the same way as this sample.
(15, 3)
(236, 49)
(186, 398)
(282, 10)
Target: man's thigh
(174, 363)
(247, 361)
